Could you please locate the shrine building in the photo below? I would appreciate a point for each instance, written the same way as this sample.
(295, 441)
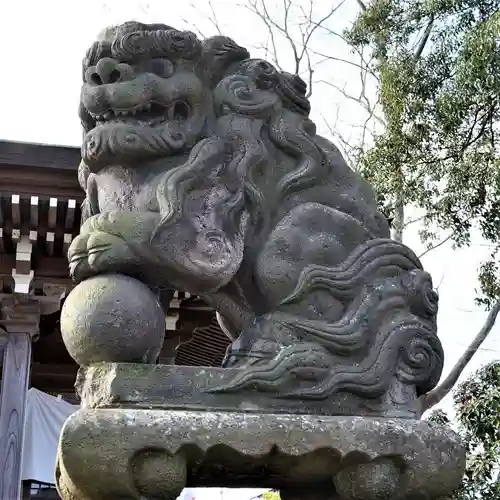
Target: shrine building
(40, 200)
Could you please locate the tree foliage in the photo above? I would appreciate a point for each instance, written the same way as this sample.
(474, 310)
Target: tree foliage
(477, 406)
(271, 495)
(438, 63)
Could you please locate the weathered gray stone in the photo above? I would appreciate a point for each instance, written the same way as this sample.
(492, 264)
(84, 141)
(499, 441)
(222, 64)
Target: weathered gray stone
(378, 479)
(112, 318)
(203, 172)
(135, 454)
(108, 385)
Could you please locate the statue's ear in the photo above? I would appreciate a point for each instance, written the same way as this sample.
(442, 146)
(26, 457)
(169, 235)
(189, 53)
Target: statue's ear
(86, 179)
(86, 119)
(83, 175)
(219, 54)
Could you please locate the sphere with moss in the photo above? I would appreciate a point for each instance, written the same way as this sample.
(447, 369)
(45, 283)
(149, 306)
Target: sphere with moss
(112, 318)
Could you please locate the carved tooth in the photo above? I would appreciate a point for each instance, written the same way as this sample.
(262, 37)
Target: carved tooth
(108, 115)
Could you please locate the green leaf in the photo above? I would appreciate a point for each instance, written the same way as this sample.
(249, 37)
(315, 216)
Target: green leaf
(438, 67)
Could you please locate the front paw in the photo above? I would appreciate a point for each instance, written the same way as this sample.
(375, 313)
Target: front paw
(97, 253)
(111, 242)
(126, 225)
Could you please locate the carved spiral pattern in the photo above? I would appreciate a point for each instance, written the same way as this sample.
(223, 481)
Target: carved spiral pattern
(424, 300)
(420, 362)
(387, 333)
(214, 247)
(157, 43)
(264, 74)
(292, 90)
(256, 75)
(239, 94)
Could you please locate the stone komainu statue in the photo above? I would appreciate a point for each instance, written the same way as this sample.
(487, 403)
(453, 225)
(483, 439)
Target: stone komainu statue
(204, 173)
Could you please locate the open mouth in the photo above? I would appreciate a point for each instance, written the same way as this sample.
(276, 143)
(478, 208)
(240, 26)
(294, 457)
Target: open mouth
(148, 113)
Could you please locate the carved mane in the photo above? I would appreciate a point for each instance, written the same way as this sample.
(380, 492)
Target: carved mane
(231, 194)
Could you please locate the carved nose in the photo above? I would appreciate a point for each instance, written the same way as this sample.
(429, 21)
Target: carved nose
(108, 71)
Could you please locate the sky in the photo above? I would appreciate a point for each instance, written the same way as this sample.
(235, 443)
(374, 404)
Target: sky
(42, 45)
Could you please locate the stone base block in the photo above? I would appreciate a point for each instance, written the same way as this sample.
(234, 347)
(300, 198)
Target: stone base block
(125, 454)
(169, 387)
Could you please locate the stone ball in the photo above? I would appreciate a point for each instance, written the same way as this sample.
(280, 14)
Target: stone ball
(112, 318)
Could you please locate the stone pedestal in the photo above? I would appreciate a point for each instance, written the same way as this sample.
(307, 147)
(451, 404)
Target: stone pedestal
(215, 183)
(109, 451)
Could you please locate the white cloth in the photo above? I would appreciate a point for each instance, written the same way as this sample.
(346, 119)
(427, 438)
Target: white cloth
(45, 416)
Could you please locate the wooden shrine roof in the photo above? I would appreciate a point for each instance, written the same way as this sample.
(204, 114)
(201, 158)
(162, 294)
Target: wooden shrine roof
(40, 208)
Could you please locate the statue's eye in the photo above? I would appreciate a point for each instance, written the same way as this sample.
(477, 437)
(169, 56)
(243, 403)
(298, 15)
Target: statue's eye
(161, 67)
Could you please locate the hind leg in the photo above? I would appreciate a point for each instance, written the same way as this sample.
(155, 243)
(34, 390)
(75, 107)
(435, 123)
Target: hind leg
(309, 235)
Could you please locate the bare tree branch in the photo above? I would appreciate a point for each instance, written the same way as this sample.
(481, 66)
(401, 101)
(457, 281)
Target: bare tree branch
(433, 397)
(362, 5)
(310, 72)
(417, 219)
(437, 245)
(364, 63)
(319, 24)
(285, 31)
(212, 19)
(337, 59)
(360, 100)
(300, 46)
(425, 38)
(215, 21)
(253, 7)
(300, 49)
